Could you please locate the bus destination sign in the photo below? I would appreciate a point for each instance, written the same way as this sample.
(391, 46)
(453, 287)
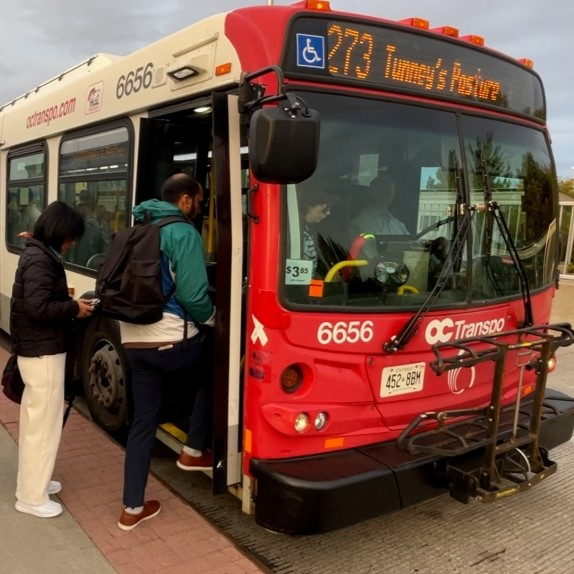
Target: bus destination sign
(396, 59)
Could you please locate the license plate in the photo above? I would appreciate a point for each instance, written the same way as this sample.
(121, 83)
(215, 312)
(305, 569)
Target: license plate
(402, 379)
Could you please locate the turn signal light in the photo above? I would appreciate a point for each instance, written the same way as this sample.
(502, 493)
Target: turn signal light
(291, 378)
(527, 390)
(223, 69)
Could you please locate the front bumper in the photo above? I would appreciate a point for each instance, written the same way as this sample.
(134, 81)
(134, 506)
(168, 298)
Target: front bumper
(320, 493)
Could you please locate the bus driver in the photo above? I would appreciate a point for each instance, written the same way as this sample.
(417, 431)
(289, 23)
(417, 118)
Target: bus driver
(376, 217)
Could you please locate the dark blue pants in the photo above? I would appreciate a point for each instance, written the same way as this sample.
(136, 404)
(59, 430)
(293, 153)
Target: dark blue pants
(151, 372)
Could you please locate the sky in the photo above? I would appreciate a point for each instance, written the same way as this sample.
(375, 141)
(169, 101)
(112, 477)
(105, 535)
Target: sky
(39, 39)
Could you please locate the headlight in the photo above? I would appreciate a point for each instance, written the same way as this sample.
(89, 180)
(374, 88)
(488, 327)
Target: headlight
(301, 422)
(552, 363)
(321, 421)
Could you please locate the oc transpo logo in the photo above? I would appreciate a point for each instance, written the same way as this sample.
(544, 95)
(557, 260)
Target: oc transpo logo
(445, 330)
(461, 379)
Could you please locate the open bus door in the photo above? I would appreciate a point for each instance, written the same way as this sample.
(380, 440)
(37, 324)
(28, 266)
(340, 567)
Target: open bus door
(209, 147)
(227, 179)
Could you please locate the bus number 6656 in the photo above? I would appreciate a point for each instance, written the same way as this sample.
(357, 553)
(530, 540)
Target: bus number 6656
(134, 81)
(344, 332)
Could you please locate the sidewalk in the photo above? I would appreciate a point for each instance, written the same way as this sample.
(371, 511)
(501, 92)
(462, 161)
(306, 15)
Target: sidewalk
(60, 546)
(85, 538)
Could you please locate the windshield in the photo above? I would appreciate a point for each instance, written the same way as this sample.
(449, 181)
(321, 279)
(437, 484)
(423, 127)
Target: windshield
(511, 166)
(397, 209)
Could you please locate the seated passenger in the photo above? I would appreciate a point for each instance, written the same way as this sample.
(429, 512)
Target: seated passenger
(13, 220)
(30, 213)
(91, 243)
(314, 207)
(105, 219)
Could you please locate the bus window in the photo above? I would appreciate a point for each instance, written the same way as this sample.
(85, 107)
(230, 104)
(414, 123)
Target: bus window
(26, 194)
(93, 177)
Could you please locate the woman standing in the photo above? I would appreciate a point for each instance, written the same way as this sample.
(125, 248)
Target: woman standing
(41, 315)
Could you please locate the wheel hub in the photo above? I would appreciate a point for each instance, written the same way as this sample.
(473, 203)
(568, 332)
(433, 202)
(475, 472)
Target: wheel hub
(106, 380)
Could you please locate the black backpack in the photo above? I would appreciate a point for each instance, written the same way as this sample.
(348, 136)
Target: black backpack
(129, 281)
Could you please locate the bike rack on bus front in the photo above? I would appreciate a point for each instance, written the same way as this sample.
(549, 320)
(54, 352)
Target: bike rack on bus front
(506, 439)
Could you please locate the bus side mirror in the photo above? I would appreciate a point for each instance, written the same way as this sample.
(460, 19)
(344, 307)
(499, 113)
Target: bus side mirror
(283, 146)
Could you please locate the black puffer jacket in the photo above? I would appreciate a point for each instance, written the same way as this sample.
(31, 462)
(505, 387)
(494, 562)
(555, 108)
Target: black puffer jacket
(41, 310)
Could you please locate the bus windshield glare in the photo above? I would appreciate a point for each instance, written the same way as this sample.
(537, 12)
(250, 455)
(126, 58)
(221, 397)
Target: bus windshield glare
(395, 199)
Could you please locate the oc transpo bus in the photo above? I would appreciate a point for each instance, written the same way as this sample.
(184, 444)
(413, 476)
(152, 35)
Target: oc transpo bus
(390, 366)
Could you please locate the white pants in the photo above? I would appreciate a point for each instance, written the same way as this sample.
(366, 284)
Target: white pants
(41, 415)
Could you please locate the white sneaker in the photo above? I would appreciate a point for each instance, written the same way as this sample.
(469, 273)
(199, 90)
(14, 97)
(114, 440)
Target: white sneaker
(47, 510)
(54, 487)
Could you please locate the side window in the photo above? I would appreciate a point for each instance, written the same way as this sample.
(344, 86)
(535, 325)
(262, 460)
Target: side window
(26, 193)
(93, 177)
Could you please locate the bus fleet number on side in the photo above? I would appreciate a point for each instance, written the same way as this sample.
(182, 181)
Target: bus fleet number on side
(134, 81)
(344, 332)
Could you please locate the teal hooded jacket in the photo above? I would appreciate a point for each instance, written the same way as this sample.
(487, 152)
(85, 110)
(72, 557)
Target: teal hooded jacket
(182, 261)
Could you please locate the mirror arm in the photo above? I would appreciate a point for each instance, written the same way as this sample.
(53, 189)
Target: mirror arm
(253, 95)
(250, 213)
(246, 77)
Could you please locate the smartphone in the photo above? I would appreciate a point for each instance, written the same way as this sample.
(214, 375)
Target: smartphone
(94, 302)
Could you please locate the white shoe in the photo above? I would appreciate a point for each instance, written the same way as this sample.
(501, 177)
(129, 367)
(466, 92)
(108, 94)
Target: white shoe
(54, 487)
(47, 510)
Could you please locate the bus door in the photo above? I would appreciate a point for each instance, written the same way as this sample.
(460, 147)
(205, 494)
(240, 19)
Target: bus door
(231, 182)
(207, 145)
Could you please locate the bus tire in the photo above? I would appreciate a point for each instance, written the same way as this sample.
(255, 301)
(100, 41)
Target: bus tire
(106, 376)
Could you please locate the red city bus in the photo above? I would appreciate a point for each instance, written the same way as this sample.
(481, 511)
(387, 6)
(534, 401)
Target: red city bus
(380, 232)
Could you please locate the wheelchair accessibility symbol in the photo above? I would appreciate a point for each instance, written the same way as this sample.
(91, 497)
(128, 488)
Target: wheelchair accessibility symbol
(310, 51)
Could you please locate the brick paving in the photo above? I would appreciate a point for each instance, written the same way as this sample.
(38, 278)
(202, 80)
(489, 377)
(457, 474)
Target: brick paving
(90, 467)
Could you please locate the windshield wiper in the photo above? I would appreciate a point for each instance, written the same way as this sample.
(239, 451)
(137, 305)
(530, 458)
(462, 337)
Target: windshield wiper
(462, 220)
(494, 213)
